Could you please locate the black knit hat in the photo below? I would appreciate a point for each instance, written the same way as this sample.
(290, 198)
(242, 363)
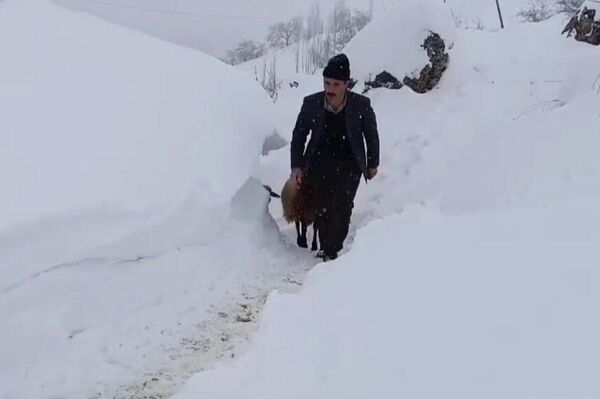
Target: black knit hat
(338, 67)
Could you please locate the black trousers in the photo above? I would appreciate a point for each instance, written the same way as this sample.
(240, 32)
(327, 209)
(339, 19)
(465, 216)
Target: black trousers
(336, 182)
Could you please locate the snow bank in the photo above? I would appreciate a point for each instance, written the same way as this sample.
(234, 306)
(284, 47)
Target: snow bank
(502, 307)
(392, 42)
(481, 295)
(513, 119)
(527, 119)
(483, 304)
(109, 118)
(121, 164)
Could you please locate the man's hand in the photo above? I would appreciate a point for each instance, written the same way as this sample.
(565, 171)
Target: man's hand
(296, 175)
(371, 173)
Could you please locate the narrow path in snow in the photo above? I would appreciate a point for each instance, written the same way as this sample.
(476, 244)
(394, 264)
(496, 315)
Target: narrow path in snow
(228, 326)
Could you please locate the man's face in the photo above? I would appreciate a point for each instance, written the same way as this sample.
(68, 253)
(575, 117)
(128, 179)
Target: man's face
(335, 89)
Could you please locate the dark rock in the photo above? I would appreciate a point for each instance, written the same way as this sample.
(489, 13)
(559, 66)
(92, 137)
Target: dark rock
(432, 73)
(384, 79)
(428, 77)
(585, 26)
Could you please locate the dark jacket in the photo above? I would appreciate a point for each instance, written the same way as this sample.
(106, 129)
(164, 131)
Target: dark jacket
(361, 128)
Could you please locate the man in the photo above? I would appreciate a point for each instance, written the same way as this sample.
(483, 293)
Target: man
(340, 122)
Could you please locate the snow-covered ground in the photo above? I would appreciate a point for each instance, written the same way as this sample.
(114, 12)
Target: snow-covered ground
(135, 249)
(134, 245)
(485, 284)
(489, 305)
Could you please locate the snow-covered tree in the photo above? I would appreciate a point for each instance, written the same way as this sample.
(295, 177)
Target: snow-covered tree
(297, 28)
(245, 51)
(360, 19)
(314, 22)
(537, 11)
(345, 24)
(319, 50)
(268, 79)
(569, 7)
(281, 34)
(341, 27)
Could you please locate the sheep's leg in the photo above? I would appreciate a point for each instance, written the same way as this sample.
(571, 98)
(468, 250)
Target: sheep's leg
(315, 246)
(301, 241)
(304, 231)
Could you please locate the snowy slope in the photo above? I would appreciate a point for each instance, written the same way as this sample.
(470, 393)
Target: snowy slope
(113, 136)
(138, 252)
(156, 101)
(128, 219)
(486, 284)
(493, 305)
(400, 52)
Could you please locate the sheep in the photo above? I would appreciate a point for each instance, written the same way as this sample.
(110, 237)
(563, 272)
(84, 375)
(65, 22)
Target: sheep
(299, 203)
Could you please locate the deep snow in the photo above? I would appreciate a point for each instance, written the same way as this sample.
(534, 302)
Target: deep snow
(129, 299)
(131, 233)
(485, 285)
(491, 305)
